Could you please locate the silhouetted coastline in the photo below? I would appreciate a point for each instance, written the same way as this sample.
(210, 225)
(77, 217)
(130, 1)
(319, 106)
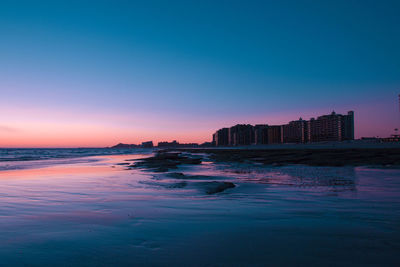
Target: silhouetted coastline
(388, 157)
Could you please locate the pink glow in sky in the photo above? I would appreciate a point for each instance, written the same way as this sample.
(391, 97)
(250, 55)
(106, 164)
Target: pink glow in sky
(39, 127)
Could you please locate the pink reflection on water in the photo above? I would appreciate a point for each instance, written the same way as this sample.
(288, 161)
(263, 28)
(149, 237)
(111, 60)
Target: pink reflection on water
(97, 182)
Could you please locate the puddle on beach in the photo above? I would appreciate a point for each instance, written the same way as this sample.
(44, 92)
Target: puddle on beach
(95, 211)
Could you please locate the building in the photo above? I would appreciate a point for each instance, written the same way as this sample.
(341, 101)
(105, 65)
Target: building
(392, 138)
(148, 144)
(241, 135)
(174, 144)
(333, 127)
(221, 137)
(261, 134)
(348, 126)
(168, 144)
(295, 132)
(275, 134)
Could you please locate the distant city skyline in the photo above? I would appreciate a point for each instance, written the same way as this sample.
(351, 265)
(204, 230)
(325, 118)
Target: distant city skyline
(94, 74)
(331, 127)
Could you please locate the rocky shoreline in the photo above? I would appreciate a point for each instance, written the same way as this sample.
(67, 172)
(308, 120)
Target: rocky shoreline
(164, 161)
(386, 157)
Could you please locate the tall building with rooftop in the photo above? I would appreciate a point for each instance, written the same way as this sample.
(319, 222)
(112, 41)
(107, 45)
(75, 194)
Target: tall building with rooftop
(241, 135)
(333, 127)
(261, 134)
(295, 132)
(221, 137)
(275, 134)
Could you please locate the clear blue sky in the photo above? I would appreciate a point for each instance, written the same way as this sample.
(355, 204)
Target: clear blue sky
(163, 69)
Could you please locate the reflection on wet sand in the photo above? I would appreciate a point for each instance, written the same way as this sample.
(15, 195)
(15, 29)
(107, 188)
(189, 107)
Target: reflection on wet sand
(213, 213)
(335, 179)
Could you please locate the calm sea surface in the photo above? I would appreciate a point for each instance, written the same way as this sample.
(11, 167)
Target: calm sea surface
(83, 207)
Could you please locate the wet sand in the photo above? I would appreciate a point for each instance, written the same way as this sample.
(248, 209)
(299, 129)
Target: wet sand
(387, 157)
(101, 212)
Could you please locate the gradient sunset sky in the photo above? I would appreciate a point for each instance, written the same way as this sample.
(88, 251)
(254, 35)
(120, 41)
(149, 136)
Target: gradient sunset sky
(96, 73)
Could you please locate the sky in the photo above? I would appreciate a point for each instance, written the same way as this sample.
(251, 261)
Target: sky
(96, 73)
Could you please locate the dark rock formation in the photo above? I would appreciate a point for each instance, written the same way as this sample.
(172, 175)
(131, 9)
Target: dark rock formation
(164, 161)
(313, 157)
(216, 187)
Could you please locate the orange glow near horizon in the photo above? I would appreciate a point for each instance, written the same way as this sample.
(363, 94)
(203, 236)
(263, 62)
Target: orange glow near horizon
(94, 136)
(39, 128)
(33, 128)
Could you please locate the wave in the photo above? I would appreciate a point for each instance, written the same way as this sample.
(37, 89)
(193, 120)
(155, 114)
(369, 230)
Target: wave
(29, 154)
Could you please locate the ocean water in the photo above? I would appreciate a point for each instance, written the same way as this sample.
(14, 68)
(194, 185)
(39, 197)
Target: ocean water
(93, 211)
(21, 158)
(28, 154)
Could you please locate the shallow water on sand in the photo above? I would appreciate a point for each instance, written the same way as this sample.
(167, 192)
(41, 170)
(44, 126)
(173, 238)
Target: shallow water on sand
(95, 212)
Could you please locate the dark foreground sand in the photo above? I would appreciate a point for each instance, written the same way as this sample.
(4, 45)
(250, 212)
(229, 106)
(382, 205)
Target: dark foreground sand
(313, 157)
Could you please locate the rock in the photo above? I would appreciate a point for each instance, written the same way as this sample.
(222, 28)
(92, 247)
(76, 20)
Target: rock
(217, 187)
(164, 161)
(191, 161)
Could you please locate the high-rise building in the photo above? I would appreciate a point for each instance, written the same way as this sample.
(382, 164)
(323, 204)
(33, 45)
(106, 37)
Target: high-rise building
(275, 134)
(261, 134)
(213, 142)
(241, 135)
(295, 132)
(348, 126)
(221, 137)
(333, 127)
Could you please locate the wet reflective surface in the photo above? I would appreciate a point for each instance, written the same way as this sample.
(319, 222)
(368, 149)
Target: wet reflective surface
(93, 211)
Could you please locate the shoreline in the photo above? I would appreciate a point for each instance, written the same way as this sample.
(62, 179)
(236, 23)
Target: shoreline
(320, 145)
(386, 157)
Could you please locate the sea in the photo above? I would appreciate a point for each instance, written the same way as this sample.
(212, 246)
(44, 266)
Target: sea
(22, 158)
(88, 207)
